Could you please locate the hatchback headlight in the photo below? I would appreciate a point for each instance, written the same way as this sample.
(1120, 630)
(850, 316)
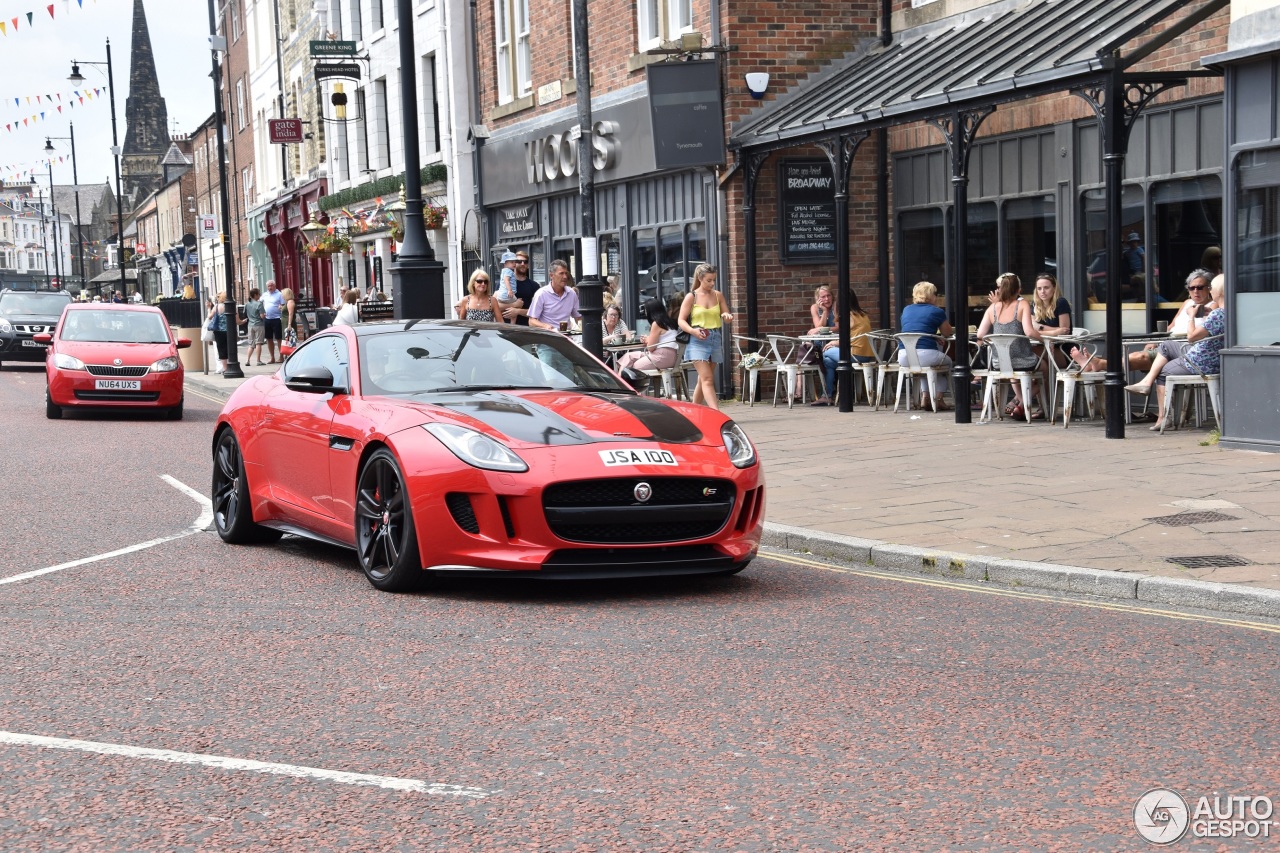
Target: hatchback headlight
(741, 452)
(476, 448)
(62, 361)
(166, 365)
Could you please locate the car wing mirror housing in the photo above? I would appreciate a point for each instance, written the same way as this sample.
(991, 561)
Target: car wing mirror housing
(313, 380)
(43, 338)
(637, 380)
(183, 343)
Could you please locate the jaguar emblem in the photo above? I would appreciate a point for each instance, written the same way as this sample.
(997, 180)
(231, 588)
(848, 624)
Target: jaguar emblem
(643, 491)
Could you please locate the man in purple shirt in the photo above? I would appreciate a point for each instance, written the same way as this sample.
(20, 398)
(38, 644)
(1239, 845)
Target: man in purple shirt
(557, 302)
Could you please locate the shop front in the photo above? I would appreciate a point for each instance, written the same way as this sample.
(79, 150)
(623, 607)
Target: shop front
(309, 277)
(654, 225)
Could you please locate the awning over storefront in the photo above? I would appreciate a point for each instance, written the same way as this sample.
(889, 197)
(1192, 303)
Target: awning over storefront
(993, 54)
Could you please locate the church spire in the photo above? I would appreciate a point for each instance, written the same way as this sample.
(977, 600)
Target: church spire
(147, 119)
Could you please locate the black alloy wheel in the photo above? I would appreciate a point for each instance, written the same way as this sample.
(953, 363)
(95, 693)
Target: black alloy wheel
(232, 513)
(386, 541)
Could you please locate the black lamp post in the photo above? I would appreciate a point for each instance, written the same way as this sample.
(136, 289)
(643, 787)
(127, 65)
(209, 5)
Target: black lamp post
(591, 297)
(233, 370)
(50, 219)
(417, 278)
(75, 180)
(77, 77)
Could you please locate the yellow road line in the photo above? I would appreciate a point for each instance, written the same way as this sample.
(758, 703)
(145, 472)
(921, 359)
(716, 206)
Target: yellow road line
(971, 586)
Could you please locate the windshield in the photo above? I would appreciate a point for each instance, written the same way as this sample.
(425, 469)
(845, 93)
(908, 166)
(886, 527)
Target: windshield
(42, 304)
(466, 359)
(115, 327)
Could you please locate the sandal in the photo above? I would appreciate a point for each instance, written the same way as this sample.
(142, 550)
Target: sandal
(1018, 412)
(1037, 415)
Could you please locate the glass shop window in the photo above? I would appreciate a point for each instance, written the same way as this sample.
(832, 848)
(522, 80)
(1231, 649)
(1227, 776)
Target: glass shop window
(1257, 261)
(1030, 239)
(983, 259)
(1187, 216)
(644, 262)
(923, 241)
(1094, 263)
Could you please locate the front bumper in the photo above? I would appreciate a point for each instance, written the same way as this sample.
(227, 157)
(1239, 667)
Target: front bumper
(79, 388)
(18, 346)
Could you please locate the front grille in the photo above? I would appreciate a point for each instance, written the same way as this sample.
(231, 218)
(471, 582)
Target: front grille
(121, 396)
(608, 512)
(28, 329)
(109, 370)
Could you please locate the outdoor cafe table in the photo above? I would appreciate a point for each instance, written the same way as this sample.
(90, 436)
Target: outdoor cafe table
(615, 351)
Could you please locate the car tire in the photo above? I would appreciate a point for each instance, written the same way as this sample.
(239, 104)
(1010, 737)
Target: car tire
(174, 413)
(386, 539)
(232, 510)
(51, 411)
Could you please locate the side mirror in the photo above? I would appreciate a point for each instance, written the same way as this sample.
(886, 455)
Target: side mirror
(313, 380)
(43, 338)
(183, 343)
(637, 380)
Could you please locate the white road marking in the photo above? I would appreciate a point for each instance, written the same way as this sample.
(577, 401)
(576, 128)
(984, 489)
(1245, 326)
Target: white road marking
(200, 524)
(394, 783)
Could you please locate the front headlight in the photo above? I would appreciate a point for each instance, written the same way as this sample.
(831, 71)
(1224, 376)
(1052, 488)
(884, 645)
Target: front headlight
(741, 452)
(5, 326)
(166, 365)
(67, 362)
(476, 448)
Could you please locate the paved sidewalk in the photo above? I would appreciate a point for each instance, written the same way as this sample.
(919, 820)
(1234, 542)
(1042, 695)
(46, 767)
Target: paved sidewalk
(1036, 502)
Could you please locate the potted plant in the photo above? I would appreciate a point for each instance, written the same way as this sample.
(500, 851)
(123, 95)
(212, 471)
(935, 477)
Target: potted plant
(433, 215)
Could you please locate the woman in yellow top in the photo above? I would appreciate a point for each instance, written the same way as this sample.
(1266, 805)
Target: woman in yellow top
(859, 346)
(702, 314)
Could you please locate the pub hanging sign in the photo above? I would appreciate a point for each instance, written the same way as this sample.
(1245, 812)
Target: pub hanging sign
(807, 210)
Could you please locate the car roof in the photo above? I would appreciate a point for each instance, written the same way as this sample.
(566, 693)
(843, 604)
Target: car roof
(113, 306)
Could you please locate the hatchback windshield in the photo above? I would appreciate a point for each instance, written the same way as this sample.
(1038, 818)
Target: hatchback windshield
(116, 327)
(37, 304)
(465, 359)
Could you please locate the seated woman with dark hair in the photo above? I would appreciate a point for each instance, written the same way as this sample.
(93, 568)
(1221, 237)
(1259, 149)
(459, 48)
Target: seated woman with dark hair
(660, 349)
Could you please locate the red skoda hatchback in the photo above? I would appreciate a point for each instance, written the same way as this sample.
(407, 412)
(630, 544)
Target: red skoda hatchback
(113, 356)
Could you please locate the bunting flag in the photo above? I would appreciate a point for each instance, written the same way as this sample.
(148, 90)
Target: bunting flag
(50, 8)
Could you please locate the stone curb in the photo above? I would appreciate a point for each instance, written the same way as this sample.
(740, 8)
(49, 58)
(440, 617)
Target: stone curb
(1179, 592)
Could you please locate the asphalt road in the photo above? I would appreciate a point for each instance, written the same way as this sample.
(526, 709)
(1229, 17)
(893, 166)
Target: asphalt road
(793, 707)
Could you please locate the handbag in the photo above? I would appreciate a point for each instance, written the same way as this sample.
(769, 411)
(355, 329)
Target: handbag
(206, 335)
(682, 337)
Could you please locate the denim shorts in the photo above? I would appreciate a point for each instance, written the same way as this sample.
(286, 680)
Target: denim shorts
(709, 349)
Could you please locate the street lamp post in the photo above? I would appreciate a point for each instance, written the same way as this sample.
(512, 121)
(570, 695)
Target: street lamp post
(233, 370)
(417, 278)
(45, 218)
(589, 289)
(77, 77)
(75, 179)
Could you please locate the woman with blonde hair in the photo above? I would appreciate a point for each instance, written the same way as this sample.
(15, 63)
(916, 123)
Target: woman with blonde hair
(216, 322)
(923, 316)
(479, 304)
(823, 310)
(703, 314)
(1009, 314)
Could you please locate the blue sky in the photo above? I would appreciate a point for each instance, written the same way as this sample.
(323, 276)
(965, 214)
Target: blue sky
(36, 59)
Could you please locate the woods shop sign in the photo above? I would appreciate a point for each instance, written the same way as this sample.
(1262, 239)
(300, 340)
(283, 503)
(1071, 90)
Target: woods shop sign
(556, 155)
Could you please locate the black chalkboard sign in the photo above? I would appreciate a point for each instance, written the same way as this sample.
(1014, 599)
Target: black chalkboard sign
(807, 210)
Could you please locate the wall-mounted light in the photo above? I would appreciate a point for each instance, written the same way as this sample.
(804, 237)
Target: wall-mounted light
(757, 83)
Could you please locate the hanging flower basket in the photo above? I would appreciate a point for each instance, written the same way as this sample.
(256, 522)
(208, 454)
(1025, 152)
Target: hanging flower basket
(433, 216)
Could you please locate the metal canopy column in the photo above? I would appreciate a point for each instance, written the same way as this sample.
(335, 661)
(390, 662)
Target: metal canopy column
(960, 128)
(1117, 103)
(840, 151)
(754, 161)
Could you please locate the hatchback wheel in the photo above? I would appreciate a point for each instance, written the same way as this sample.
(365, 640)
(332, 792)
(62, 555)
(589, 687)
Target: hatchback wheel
(51, 411)
(386, 541)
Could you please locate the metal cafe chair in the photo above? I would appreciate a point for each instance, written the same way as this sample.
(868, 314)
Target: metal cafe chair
(791, 373)
(753, 359)
(1174, 385)
(884, 346)
(913, 368)
(1000, 371)
(1072, 376)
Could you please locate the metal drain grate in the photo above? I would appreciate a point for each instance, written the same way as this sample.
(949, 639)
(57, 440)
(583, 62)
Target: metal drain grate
(1186, 519)
(1213, 561)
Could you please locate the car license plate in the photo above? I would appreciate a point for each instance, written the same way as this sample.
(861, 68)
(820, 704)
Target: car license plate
(632, 456)
(118, 385)
(34, 344)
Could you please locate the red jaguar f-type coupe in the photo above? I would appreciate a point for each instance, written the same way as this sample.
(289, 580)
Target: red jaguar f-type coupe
(456, 448)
